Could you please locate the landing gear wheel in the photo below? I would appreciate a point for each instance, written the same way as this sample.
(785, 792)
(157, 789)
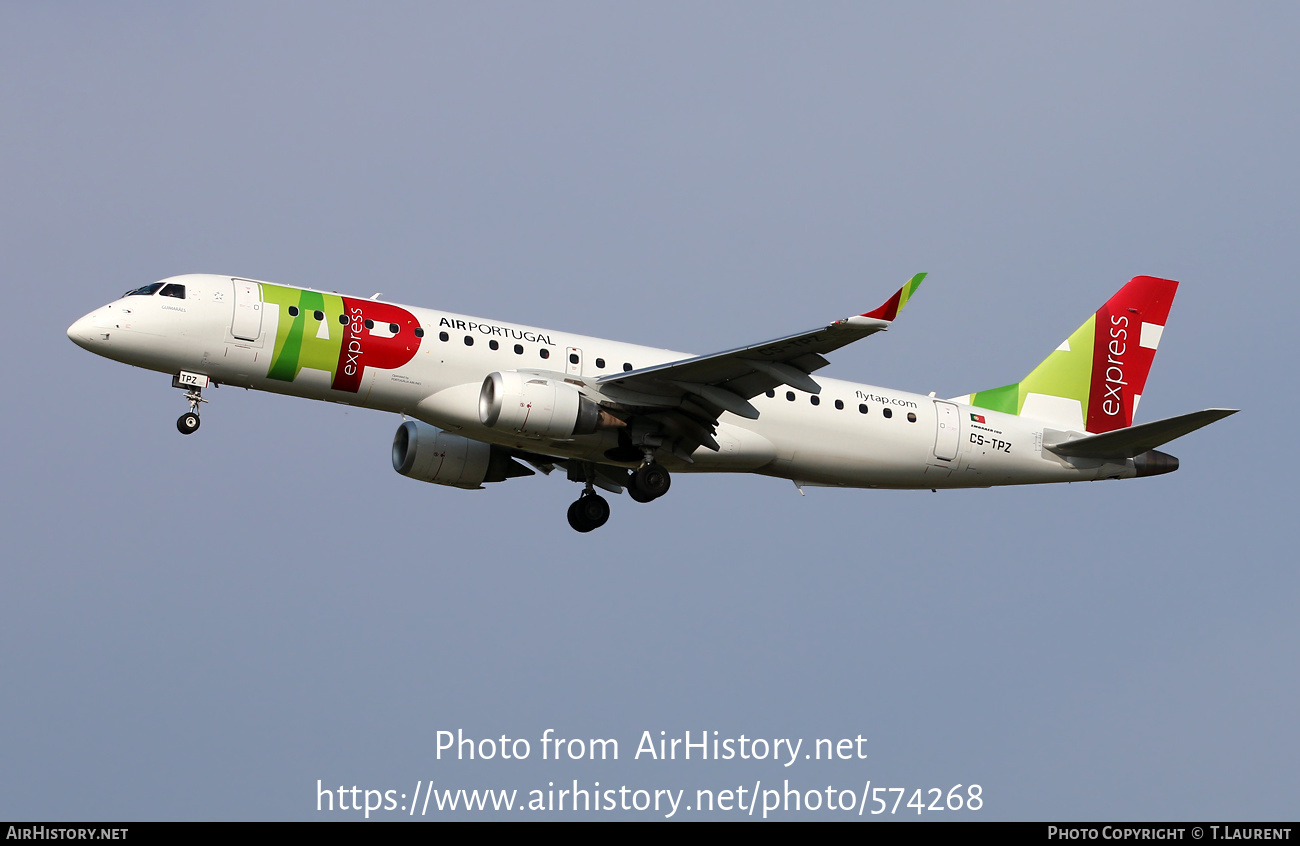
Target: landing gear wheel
(635, 492)
(651, 480)
(590, 511)
(187, 423)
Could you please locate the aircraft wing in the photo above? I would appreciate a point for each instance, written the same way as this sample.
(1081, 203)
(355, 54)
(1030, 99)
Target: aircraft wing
(706, 385)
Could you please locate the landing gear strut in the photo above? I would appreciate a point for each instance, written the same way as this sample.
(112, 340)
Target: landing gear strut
(188, 423)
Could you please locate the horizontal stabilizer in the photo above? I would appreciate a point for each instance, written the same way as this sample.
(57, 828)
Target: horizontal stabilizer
(1135, 440)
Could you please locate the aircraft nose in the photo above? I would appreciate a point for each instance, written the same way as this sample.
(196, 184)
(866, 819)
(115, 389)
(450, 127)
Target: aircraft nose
(81, 332)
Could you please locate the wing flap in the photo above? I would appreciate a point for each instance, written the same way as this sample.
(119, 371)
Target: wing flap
(722, 398)
(786, 374)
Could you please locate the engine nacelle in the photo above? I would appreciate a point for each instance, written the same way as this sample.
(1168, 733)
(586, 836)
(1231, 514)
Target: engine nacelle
(432, 455)
(535, 406)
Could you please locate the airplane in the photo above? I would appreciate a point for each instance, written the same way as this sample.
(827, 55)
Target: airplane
(487, 400)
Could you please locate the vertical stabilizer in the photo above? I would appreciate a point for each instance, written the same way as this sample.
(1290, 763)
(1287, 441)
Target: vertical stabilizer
(1093, 381)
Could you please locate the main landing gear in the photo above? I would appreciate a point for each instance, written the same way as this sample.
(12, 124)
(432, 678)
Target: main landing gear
(591, 511)
(188, 423)
(649, 481)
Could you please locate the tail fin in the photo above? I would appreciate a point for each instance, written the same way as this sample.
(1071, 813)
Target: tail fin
(1093, 381)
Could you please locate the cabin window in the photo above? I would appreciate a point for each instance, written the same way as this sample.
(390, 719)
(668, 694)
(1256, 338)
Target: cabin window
(771, 394)
(519, 349)
(293, 311)
(419, 333)
(789, 395)
(173, 290)
(493, 345)
(370, 324)
(600, 364)
(888, 412)
(393, 328)
(343, 319)
(911, 417)
(573, 358)
(839, 405)
(626, 367)
(443, 336)
(862, 408)
(816, 400)
(469, 340)
(545, 353)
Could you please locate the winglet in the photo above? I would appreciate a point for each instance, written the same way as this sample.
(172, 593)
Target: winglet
(895, 304)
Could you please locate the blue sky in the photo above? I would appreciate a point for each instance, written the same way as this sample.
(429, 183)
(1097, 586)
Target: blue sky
(203, 627)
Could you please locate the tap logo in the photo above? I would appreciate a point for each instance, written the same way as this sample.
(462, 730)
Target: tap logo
(339, 335)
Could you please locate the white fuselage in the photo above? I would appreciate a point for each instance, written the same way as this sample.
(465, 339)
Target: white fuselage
(850, 435)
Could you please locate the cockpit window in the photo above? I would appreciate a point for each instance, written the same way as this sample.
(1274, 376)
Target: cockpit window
(147, 290)
(173, 290)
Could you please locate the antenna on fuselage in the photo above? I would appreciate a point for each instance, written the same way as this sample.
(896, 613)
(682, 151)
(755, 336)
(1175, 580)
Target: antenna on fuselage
(375, 297)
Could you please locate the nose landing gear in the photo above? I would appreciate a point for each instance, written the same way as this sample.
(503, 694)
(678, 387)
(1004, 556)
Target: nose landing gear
(188, 423)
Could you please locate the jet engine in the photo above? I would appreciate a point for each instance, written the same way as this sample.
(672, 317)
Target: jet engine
(537, 406)
(431, 455)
